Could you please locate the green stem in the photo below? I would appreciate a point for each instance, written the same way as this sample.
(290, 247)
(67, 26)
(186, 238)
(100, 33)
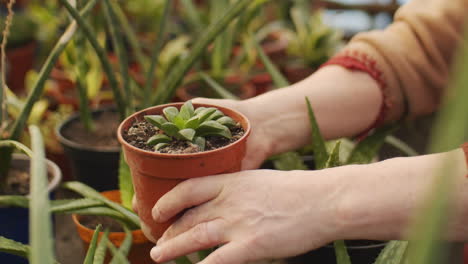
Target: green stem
(88, 32)
(120, 51)
(155, 53)
(167, 90)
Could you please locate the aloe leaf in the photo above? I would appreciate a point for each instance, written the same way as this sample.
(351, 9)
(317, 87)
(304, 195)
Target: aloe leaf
(368, 149)
(183, 260)
(88, 192)
(125, 182)
(205, 114)
(125, 247)
(159, 138)
(170, 112)
(193, 123)
(41, 238)
(14, 200)
(160, 146)
(186, 111)
(226, 121)
(289, 161)
(200, 142)
(92, 246)
(220, 90)
(187, 134)
(183, 66)
(278, 79)
(342, 256)
(59, 206)
(101, 249)
(393, 253)
(121, 52)
(320, 151)
(170, 129)
(118, 256)
(334, 159)
(15, 248)
(156, 120)
(157, 50)
(90, 35)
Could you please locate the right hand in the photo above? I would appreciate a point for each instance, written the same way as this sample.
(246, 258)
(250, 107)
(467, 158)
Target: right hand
(259, 146)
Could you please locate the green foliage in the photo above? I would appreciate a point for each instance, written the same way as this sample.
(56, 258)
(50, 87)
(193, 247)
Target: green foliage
(289, 161)
(393, 253)
(12, 247)
(342, 256)
(89, 258)
(23, 29)
(125, 183)
(189, 124)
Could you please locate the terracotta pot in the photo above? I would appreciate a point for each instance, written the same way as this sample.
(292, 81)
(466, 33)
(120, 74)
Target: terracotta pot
(141, 246)
(154, 174)
(19, 61)
(262, 83)
(243, 89)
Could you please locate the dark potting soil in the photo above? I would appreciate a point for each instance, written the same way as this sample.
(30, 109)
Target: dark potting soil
(92, 221)
(139, 133)
(17, 182)
(104, 133)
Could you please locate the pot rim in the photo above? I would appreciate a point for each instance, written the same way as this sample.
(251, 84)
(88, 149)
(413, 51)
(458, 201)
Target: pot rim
(51, 167)
(65, 141)
(124, 143)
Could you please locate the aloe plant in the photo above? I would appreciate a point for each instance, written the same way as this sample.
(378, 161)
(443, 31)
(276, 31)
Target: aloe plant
(189, 124)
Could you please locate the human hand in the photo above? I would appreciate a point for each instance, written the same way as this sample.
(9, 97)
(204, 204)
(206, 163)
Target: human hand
(255, 215)
(259, 144)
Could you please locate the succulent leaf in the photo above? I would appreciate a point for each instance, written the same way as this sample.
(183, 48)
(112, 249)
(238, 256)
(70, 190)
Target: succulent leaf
(170, 113)
(205, 114)
(159, 138)
(200, 142)
(179, 122)
(210, 128)
(198, 110)
(216, 115)
(156, 120)
(160, 146)
(192, 123)
(187, 134)
(186, 111)
(170, 129)
(226, 121)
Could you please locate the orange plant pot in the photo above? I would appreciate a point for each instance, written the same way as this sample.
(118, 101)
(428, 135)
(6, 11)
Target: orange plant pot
(141, 246)
(154, 174)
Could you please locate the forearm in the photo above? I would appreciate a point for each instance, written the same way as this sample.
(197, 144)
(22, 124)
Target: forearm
(345, 104)
(380, 200)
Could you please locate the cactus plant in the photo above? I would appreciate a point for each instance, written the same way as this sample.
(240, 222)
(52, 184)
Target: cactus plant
(189, 124)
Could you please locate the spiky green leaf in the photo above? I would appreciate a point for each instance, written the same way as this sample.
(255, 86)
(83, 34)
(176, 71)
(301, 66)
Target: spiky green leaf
(334, 159)
(320, 151)
(14, 200)
(125, 182)
(342, 256)
(125, 247)
(289, 161)
(92, 246)
(393, 253)
(15, 248)
(159, 138)
(100, 254)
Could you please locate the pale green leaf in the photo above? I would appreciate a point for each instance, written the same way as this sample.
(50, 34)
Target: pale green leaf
(320, 151)
(209, 128)
(393, 253)
(226, 121)
(160, 146)
(170, 129)
(125, 183)
(342, 256)
(92, 246)
(170, 112)
(186, 111)
(193, 122)
(15, 248)
(200, 142)
(156, 120)
(199, 109)
(158, 138)
(187, 134)
(124, 247)
(14, 200)
(101, 249)
(204, 114)
(334, 159)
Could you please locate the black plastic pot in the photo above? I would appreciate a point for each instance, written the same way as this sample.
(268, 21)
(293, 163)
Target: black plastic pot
(360, 252)
(96, 167)
(14, 220)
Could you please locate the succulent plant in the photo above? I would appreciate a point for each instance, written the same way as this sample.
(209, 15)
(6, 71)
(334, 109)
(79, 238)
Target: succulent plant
(189, 124)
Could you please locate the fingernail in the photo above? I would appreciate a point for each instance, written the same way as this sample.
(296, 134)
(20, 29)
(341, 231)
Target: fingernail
(155, 253)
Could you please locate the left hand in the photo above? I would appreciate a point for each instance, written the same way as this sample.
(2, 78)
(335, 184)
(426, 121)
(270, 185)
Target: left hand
(255, 215)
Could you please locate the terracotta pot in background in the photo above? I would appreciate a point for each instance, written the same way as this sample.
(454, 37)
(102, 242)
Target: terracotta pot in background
(141, 246)
(154, 174)
(262, 83)
(243, 89)
(295, 73)
(19, 61)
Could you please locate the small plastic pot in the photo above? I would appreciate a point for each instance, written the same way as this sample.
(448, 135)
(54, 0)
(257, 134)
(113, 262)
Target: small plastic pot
(15, 221)
(141, 246)
(154, 174)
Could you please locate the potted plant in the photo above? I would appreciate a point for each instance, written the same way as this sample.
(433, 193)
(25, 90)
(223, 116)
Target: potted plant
(179, 143)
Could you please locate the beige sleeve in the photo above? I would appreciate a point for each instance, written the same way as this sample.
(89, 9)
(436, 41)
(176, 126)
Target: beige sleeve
(414, 54)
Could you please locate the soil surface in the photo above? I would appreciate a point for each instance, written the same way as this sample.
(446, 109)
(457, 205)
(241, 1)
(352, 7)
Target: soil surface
(141, 131)
(17, 182)
(104, 134)
(92, 221)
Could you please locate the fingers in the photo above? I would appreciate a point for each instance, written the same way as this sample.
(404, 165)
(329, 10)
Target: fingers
(231, 253)
(185, 195)
(202, 236)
